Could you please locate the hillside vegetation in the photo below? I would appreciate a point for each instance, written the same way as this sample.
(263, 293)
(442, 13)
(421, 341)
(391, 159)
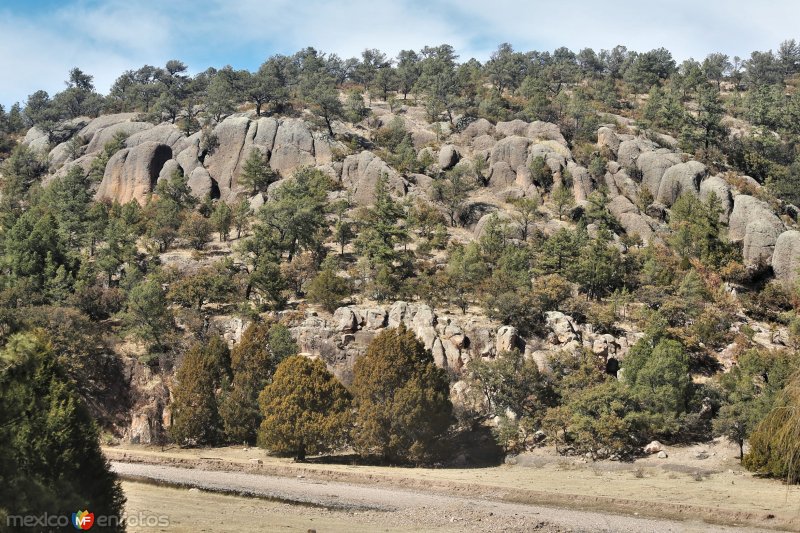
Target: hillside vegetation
(586, 250)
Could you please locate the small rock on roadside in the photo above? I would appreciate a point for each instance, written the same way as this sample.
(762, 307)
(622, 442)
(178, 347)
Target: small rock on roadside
(662, 455)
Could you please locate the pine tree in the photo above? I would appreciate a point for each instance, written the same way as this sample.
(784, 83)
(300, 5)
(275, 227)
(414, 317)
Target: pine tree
(256, 175)
(200, 378)
(305, 409)
(253, 360)
(402, 399)
(51, 461)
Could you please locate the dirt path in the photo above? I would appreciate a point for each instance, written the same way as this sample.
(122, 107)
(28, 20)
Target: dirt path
(363, 507)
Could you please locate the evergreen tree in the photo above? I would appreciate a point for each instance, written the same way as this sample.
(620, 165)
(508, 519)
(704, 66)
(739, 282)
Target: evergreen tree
(402, 399)
(51, 461)
(305, 409)
(256, 175)
(199, 380)
(253, 360)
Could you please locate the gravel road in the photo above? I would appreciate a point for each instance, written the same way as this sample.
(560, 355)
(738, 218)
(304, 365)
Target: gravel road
(405, 508)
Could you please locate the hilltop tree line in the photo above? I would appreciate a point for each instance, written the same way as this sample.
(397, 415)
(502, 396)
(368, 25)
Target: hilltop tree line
(688, 100)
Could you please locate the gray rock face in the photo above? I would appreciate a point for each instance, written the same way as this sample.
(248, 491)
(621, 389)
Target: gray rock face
(653, 166)
(582, 183)
(515, 127)
(753, 223)
(759, 241)
(107, 134)
(606, 137)
(720, 188)
(634, 223)
(448, 157)
(201, 183)
(105, 121)
(169, 168)
(786, 257)
(293, 147)
(501, 175)
(360, 174)
(511, 150)
(545, 131)
(746, 209)
(222, 163)
(679, 179)
(132, 173)
(476, 129)
(164, 134)
(629, 151)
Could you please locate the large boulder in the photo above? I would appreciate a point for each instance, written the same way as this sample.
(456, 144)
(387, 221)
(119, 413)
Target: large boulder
(545, 131)
(360, 175)
(107, 134)
(746, 209)
(131, 173)
(629, 151)
(653, 165)
(224, 160)
(720, 188)
(760, 237)
(679, 179)
(448, 157)
(164, 134)
(607, 138)
(634, 223)
(786, 258)
(510, 128)
(582, 183)
(105, 121)
(201, 183)
(476, 129)
(293, 147)
(512, 150)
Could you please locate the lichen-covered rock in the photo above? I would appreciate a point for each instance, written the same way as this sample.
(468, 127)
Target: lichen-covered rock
(745, 210)
(679, 179)
(720, 188)
(107, 134)
(786, 257)
(360, 175)
(448, 157)
(131, 173)
(760, 237)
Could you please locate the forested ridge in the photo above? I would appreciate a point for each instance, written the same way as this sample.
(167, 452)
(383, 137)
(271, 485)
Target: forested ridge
(400, 255)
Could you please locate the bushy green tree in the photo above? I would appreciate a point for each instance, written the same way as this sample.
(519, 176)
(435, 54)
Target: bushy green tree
(402, 399)
(256, 175)
(51, 460)
(253, 360)
(305, 409)
(199, 381)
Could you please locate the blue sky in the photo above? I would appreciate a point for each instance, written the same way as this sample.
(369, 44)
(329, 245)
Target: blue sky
(40, 40)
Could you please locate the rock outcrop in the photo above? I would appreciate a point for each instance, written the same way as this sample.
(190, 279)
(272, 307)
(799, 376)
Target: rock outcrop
(360, 175)
(786, 258)
(131, 173)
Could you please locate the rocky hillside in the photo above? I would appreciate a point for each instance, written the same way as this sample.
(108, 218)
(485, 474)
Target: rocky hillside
(644, 175)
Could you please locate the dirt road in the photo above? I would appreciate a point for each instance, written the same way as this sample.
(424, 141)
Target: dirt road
(360, 507)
